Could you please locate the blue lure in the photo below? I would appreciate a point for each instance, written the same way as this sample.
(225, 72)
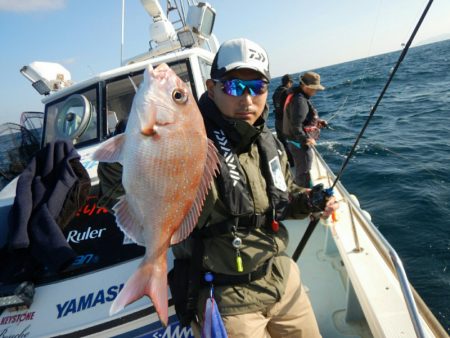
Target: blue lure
(213, 326)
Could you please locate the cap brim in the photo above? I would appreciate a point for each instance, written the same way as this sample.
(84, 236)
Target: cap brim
(316, 87)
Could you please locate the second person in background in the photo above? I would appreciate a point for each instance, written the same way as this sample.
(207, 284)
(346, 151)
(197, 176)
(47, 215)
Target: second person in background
(301, 125)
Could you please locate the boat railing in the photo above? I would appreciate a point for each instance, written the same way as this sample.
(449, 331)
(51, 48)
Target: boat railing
(386, 250)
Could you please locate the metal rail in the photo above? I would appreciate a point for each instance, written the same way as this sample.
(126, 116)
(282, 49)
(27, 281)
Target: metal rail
(388, 251)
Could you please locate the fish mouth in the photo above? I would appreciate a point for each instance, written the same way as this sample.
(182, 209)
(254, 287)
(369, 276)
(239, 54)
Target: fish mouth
(153, 130)
(149, 131)
(149, 127)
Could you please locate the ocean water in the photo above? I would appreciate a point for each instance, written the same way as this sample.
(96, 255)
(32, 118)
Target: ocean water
(401, 169)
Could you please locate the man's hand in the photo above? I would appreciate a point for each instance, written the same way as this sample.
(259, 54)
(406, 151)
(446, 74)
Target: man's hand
(310, 142)
(331, 206)
(322, 200)
(322, 124)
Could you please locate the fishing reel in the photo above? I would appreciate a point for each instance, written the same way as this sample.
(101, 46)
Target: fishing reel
(319, 197)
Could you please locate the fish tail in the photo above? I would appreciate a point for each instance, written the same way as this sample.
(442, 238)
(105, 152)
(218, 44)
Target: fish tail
(151, 280)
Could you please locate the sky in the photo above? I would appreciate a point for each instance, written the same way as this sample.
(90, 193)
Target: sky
(85, 36)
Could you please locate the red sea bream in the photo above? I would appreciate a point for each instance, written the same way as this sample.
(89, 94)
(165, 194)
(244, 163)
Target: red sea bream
(168, 166)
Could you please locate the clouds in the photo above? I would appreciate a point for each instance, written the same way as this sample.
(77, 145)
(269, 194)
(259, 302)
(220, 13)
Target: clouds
(31, 5)
(69, 61)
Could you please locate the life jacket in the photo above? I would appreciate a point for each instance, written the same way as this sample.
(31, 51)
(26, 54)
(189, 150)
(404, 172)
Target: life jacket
(233, 190)
(232, 182)
(288, 101)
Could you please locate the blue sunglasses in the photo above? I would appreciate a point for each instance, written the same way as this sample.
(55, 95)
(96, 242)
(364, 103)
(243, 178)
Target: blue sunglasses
(237, 87)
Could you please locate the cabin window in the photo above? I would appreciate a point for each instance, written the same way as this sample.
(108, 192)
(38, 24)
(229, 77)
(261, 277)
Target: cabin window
(74, 117)
(205, 68)
(120, 93)
(119, 98)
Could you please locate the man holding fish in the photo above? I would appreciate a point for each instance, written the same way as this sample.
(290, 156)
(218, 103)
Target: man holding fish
(229, 179)
(257, 286)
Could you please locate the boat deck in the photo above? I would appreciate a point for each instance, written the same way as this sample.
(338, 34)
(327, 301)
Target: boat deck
(322, 269)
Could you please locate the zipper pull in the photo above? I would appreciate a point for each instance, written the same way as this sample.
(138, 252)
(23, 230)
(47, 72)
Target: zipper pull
(239, 265)
(237, 243)
(275, 225)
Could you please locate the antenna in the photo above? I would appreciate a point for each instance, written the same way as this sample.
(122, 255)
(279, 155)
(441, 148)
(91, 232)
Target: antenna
(123, 29)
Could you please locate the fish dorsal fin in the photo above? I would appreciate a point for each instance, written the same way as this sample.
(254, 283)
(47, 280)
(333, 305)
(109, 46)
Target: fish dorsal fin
(110, 150)
(127, 220)
(210, 171)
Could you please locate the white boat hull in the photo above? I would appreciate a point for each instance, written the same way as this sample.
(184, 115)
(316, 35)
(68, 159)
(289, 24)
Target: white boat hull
(354, 292)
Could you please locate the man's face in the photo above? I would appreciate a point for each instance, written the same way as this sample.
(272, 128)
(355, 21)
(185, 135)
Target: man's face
(245, 107)
(309, 91)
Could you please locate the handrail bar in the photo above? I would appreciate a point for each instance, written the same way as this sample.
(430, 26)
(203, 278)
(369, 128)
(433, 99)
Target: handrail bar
(389, 251)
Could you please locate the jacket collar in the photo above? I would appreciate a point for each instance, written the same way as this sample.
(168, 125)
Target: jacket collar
(241, 134)
(298, 90)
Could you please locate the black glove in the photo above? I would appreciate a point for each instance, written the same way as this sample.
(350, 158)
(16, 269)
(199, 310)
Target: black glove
(318, 197)
(304, 203)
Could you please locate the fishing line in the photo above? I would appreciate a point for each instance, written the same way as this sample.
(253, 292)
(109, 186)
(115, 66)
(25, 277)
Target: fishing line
(382, 147)
(315, 217)
(365, 75)
(380, 97)
(433, 174)
(339, 110)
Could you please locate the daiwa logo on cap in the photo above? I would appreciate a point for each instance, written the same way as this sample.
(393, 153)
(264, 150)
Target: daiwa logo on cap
(240, 53)
(257, 56)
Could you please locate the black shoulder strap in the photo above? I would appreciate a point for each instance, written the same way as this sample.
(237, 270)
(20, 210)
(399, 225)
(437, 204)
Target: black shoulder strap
(232, 182)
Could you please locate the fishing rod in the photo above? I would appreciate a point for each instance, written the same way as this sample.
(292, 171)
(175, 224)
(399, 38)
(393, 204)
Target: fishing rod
(374, 108)
(320, 195)
(327, 193)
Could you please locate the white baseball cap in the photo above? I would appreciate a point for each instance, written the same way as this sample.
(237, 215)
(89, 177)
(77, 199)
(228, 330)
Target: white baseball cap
(240, 53)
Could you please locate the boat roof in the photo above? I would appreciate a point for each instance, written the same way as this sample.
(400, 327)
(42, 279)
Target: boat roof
(135, 64)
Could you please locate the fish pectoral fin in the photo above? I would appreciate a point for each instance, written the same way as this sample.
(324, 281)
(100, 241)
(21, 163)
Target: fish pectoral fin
(127, 221)
(110, 150)
(209, 172)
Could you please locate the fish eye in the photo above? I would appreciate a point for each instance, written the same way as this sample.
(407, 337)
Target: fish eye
(179, 96)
